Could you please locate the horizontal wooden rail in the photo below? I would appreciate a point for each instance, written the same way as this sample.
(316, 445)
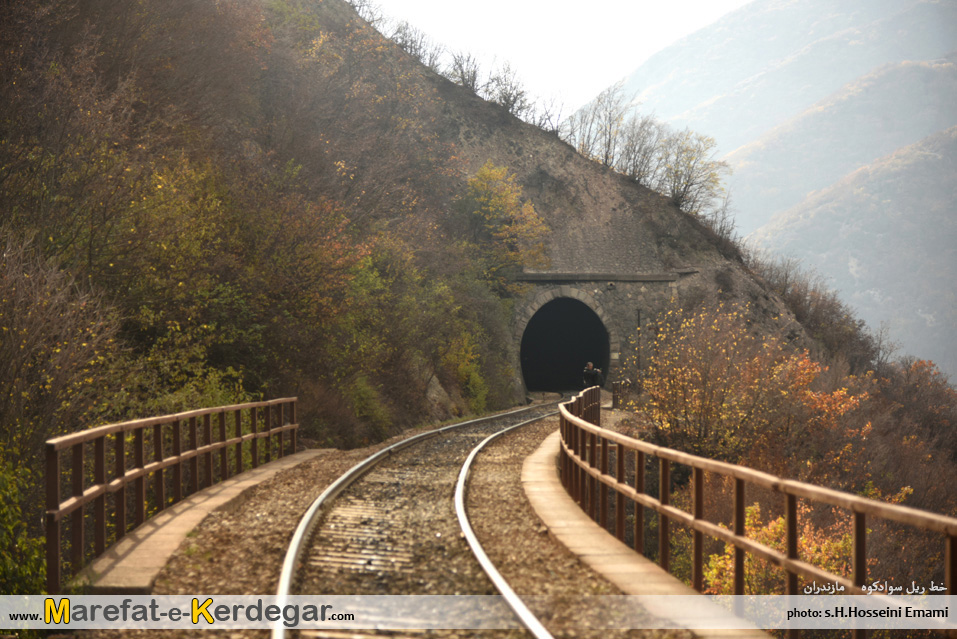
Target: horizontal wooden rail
(585, 468)
(183, 443)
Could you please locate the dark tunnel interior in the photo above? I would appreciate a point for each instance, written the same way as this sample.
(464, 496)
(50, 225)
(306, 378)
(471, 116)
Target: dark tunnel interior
(560, 338)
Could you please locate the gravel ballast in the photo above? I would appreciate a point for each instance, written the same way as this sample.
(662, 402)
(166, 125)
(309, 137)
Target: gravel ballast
(241, 551)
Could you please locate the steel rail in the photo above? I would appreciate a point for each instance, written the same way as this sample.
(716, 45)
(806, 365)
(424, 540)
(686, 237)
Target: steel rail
(527, 617)
(310, 519)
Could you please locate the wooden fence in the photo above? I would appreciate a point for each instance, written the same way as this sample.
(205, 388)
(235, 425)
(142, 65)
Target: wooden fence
(585, 468)
(193, 446)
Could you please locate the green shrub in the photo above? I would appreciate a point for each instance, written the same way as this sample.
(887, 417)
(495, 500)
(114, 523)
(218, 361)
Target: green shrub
(22, 564)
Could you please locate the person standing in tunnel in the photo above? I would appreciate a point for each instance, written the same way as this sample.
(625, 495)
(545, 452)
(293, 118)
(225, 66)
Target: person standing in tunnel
(591, 376)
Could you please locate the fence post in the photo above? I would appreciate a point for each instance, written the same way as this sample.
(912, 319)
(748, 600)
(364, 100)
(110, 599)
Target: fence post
(253, 414)
(950, 564)
(860, 549)
(208, 455)
(295, 431)
(860, 559)
(664, 493)
(602, 488)
(267, 428)
(584, 481)
(159, 486)
(52, 525)
(178, 468)
(697, 566)
(619, 496)
(238, 418)
(120, 470)
(194, 460)
(790, 507)
(76, 519)
(639, 509)
(576, 471)
(739, 530)
(280, 413)
(223, 452)
(593, 484)
(562, 461)
(99, 504)
(139, 484)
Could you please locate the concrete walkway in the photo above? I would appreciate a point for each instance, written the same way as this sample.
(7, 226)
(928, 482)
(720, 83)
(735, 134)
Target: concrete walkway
(632, 573)
(131, 565)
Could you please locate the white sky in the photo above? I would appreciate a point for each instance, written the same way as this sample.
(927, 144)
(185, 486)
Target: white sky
(569, 50)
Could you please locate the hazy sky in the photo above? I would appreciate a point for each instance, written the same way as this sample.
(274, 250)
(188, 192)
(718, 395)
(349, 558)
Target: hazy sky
(571, 50)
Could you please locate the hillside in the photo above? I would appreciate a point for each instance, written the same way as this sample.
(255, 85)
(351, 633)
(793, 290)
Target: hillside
(205, 203)
(272, 198)
(799, 96)
(893, 107)
(768, 61)
(886, 236)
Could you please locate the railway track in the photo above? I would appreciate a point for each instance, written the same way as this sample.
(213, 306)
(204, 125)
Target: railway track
(395, 525)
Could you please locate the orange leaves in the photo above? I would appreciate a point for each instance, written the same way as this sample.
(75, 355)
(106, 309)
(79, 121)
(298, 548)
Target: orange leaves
(826, 407)
(718, 388)
(828, 547)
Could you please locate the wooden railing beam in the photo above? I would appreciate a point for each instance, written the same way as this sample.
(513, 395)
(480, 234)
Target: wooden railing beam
(75, 507)
(583, 465)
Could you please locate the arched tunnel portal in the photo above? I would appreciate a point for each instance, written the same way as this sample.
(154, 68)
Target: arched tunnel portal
(558, 340)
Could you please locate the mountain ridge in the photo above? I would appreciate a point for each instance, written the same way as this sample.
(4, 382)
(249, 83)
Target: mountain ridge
(901, 200)
(737, 85)
(800, 96)
(868, 118)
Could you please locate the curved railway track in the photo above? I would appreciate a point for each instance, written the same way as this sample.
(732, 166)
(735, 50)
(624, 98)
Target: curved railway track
(395, 522)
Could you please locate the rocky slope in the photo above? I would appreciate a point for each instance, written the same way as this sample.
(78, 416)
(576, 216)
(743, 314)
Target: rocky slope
(886, 234)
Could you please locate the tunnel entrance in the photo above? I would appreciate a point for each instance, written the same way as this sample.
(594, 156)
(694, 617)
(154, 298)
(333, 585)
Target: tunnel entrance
(559, 339)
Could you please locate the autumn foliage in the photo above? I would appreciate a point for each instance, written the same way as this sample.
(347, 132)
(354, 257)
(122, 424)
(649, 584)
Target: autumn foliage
(205, 203)
(828, 548)
(716, 385)
(208, 202)
(717, 388)
(506, 232)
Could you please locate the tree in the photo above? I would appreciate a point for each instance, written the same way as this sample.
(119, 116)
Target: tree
(596, 130)
(829, 548)
(368, 11)
(56, 340)
(508, 232)
(22, 564)
(679, 165)
(717, 389)
(691, 176)
(640, 151)
(822, 313)
(506, 89)
(465, 71)
(581, 131)
(547, 116)
(578, 129)
(417, 44)
(610, 109)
